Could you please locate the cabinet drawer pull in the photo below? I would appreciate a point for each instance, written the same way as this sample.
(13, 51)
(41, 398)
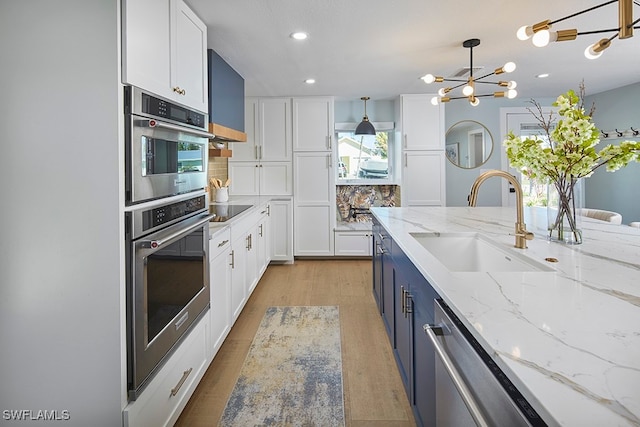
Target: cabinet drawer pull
(224, 242)
(178, 386)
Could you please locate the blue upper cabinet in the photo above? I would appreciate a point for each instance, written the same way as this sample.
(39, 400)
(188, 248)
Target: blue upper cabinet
(226, 99)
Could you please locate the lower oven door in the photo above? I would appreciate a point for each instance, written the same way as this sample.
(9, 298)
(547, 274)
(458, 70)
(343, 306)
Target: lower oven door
(168, 293)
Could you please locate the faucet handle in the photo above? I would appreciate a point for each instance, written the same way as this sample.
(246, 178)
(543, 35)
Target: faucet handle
(526, 234)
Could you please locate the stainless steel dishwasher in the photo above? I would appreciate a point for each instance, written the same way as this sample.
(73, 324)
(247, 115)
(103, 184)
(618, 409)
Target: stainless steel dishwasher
(471, 390)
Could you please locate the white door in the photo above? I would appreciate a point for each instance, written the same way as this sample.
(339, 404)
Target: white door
(312, 122)
(423, 178)
(521, 122)
(314, 203)
(247, 151)
(245, 178)
(281, 230)
(275, 129)
(220, 272)
(422, 123)
(189, 62)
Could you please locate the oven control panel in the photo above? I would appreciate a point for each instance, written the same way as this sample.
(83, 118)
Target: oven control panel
(165, 214)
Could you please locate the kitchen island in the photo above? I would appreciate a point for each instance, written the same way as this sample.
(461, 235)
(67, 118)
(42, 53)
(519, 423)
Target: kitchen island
(568, 337)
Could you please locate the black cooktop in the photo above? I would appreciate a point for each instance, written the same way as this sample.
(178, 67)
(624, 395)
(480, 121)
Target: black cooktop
(222, 213)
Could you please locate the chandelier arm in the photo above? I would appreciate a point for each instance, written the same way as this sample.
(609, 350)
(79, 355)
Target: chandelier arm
(610, 30)
(490, 83)
(583, 11)
(485, 76)
(454, 80)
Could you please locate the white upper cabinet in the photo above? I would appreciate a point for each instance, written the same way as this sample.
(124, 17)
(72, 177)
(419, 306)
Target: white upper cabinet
(275, 129)
(165, 51)
(312, 124)
(268, 128)
(421, 123)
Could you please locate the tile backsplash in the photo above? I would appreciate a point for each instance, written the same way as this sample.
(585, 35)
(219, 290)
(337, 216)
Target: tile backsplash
(357, 199)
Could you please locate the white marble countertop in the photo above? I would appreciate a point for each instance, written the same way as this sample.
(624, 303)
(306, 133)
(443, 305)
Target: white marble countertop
(255, 201)
(568, 339)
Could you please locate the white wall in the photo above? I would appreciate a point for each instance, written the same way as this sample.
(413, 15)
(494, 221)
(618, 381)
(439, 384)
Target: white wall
(61, 286)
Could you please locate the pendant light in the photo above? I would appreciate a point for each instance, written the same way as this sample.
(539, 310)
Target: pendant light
(365, 127)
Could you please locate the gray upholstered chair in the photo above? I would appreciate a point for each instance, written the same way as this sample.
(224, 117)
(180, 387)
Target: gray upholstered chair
(602, 215)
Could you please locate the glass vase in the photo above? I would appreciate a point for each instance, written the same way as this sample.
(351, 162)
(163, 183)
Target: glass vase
(564, 202)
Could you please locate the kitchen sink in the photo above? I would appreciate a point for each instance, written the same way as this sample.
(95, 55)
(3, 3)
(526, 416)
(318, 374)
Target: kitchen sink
(473, 252)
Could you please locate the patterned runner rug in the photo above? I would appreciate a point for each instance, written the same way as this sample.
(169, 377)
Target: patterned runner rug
(292, 375)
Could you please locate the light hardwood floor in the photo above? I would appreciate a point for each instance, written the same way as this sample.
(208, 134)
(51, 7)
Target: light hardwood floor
(373, 392)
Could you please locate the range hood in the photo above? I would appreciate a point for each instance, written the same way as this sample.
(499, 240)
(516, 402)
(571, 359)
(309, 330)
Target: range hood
(226, 134)
(226, 100)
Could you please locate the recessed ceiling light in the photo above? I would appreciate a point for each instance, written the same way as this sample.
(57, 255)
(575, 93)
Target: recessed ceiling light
(542, 76)
(310, 81)
(299, 35)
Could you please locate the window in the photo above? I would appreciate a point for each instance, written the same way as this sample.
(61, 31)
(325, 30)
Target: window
(365, 158)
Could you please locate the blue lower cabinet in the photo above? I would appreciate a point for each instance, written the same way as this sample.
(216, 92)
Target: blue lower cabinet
(377, 263)
(403, 317)
(424, 391)
(407, 304)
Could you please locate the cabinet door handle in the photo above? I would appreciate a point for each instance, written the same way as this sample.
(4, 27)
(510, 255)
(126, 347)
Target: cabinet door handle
(178, 386)
(403, 299)
(405, 140)
(408, 305)
(406, 160)
(260, 230)
(255, 153)
(260, 151)
(233, 260)
(329, 141)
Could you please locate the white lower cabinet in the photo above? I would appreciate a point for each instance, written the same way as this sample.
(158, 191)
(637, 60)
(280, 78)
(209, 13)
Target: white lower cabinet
(262, 240)
(165, 397)
(281, 229)
(220, 282)
(239, 276)
(353, 243)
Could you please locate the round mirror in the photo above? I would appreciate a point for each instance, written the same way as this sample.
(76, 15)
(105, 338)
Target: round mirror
(468, 144)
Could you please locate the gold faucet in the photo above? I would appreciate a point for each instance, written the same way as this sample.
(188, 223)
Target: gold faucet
(522, 235)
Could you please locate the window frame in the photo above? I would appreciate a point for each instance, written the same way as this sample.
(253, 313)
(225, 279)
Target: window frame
(392, 177)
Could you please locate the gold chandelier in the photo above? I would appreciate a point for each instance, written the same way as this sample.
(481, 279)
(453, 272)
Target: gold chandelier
(469, 85)
(542, 35)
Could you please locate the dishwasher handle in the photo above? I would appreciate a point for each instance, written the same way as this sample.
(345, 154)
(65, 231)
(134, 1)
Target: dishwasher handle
(432, 332)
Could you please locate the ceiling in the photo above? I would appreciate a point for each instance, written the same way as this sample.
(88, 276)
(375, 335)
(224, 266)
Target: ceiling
(381, 48)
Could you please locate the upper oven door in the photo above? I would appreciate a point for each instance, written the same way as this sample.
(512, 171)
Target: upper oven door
(163, 159)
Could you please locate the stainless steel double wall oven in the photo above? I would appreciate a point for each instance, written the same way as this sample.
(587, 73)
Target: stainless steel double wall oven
(166, 229)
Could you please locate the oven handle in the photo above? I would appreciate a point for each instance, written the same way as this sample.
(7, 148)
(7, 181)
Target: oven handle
(155, 244)
(432, 331)
(162, 125)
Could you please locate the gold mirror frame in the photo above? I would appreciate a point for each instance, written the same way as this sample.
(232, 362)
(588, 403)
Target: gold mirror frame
(468, 144)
